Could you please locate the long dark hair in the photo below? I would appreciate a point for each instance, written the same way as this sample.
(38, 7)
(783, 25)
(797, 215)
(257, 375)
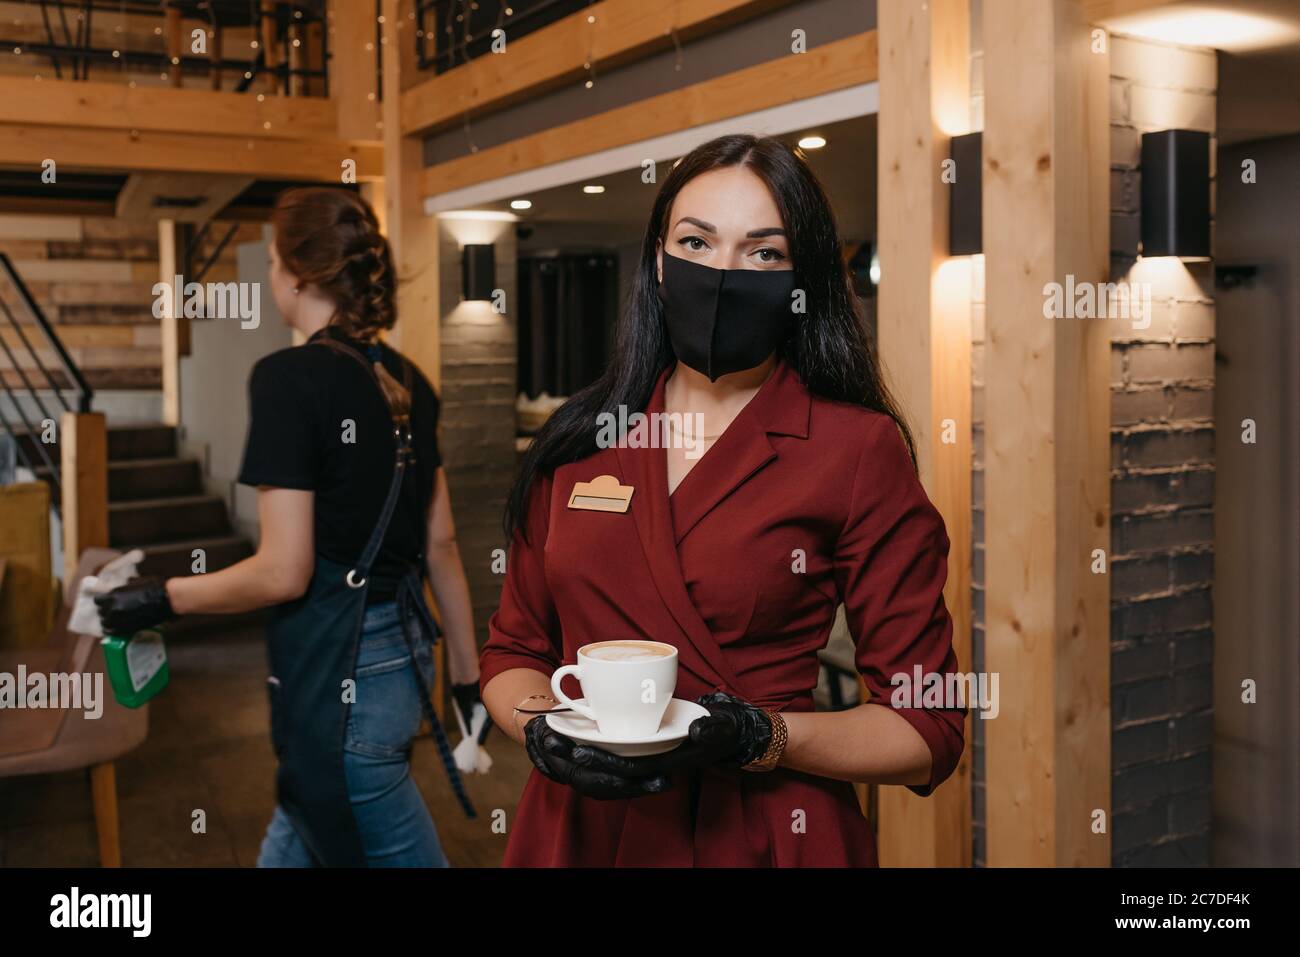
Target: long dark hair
(829, 348)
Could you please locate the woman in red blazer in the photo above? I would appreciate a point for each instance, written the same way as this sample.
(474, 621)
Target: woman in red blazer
(738, 545)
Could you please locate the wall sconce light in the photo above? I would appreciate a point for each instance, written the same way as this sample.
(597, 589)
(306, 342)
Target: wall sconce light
(966, 205)
(1176, 194)
(477, 271)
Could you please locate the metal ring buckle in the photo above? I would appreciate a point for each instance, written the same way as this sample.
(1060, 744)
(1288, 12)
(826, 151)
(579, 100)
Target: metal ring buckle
(351, 582)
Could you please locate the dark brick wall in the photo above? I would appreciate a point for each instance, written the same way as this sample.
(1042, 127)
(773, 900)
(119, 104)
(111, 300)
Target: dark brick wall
(477, 435)
(1162, 492)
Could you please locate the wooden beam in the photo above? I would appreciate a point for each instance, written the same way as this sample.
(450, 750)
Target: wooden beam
(146, 196)
(354, 69)
(924, 328)
(534, 64)
(1096, 10)
(94, 105)
(1047, 426)
(412, 235)
(57, 206)
(98, 149)
(83, 476)
(823, 69)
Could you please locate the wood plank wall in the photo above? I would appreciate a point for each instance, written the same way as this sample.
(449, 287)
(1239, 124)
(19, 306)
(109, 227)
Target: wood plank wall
(93, 278)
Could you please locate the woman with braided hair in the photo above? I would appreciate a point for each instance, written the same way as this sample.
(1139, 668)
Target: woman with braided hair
(355, 517)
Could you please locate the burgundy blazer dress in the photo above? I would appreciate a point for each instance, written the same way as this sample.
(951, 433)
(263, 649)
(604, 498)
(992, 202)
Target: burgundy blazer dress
(801, 504)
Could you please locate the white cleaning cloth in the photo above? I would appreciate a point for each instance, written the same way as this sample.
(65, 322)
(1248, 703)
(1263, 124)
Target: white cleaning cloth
(469, 755)
(85, 616)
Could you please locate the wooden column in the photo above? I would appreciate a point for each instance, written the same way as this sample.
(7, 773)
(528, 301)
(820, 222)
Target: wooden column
(412, 234)
(925, 341)
(214, 54)
(172, 240)
(270, 46)
(176, 46)
(83, 476)
(353, 68)
(1046, 202)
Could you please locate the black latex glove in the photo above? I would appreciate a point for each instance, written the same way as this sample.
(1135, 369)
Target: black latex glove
(590, 771)
(135, 606)
(731, 735)
(466, 696)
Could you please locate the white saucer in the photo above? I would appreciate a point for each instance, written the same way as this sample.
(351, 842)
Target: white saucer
(673, 730)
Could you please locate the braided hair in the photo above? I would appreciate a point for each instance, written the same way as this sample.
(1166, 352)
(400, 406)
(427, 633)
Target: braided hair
(330, 238)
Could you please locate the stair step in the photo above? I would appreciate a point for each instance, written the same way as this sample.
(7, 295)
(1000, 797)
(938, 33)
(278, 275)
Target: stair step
(166, 559)
(125, 442)
(172, 519)
(133, 479)
(141, 442)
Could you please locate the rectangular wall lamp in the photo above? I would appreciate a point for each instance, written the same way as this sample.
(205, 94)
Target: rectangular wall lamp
(477, 271)
(965, 202)
(1176, 194)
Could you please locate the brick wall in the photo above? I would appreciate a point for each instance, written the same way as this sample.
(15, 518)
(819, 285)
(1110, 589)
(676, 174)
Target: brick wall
(1162, 489)
(477, 433)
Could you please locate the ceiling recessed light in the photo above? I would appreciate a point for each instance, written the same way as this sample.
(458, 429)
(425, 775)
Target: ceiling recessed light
(593, 189)
(521, 204)
(812, 142)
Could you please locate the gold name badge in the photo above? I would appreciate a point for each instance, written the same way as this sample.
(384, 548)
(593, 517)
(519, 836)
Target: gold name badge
(601, 494)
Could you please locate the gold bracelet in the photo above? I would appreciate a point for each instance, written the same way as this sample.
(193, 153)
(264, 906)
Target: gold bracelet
(532, 696)
(516, 711)
(775, 747)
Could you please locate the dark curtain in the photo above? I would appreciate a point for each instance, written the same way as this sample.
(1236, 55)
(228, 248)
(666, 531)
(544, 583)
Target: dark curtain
(568, 305)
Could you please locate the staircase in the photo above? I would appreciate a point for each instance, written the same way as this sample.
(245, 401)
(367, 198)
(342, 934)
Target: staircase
(156, 499)
(156, 503)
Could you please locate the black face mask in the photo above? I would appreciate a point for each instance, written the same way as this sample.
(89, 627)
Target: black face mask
(724, 320)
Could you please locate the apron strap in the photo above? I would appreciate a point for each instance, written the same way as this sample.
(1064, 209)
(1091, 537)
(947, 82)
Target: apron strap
(410, 597)
(356, 577)
(410, 593)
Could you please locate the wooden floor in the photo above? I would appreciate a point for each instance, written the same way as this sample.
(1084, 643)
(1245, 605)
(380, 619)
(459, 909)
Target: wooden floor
(208, 748)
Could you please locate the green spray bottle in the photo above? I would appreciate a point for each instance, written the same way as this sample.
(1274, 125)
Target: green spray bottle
(137, 666)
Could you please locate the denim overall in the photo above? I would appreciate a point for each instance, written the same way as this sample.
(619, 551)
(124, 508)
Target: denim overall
(313, 646)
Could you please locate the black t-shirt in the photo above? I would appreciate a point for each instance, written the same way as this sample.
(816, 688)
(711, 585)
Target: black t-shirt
(318, 421)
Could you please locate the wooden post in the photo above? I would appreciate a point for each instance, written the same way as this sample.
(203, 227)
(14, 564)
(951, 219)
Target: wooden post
(175, 43)
(173, 238)
(83, 476)
(925, 341)
(270, 46)
(214, 55)
(353, 68)
(412, 234)
(1047, 481)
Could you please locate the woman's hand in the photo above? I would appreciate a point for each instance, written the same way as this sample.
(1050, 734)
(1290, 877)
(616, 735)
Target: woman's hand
(590, 771)
(135, 606)
(731, 735)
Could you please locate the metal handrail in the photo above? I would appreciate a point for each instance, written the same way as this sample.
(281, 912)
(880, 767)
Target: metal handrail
(78, 381)
(84, 391)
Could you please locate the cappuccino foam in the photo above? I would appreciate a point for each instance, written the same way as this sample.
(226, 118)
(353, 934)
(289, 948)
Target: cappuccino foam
(626, 652)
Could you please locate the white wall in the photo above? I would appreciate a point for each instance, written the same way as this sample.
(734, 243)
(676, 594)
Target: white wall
(214, 389)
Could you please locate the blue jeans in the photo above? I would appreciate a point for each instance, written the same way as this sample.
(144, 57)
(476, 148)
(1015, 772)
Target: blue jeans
(396, 829)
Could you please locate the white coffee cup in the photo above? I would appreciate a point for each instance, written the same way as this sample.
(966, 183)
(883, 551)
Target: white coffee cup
(628, 685)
